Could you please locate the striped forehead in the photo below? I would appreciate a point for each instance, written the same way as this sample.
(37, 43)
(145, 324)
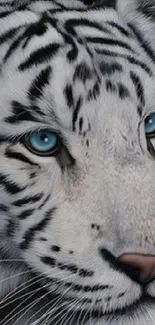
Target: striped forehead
(64, 96)
(66, 83)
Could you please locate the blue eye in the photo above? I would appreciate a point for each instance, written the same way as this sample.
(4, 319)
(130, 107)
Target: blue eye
(42, 143)
(150, 125)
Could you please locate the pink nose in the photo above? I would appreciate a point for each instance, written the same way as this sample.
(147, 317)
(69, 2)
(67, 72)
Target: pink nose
(145, 263)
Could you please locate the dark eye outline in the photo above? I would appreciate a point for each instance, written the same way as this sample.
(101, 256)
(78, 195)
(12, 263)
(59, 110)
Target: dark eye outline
(52, 152)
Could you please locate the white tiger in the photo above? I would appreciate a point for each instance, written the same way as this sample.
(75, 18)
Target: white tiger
(77, 167)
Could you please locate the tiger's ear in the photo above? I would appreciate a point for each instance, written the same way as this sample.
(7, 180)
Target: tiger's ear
(132, 8)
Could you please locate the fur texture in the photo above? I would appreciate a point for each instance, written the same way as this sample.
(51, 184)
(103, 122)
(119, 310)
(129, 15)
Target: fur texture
(86, 72)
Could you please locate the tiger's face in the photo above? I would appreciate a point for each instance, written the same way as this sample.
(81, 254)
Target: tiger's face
(77, 176)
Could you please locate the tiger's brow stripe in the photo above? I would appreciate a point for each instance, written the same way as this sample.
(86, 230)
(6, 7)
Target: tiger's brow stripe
(30, 233)
(138, 87)
(28, 200)
(10, 186)
(40, 82)
(19, 113)
(41, 55)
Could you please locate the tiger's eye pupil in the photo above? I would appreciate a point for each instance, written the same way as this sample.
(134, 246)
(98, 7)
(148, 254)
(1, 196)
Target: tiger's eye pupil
(44, 138)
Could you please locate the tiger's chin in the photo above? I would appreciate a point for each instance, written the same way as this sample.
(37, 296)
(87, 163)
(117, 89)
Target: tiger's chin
(135, 313)
(139, 312)
(92, 311)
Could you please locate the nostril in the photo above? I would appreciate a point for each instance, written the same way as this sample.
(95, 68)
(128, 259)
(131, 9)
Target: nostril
(131, 271)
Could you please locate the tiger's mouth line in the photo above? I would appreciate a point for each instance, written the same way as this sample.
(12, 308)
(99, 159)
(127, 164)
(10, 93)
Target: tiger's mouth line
(133, 308)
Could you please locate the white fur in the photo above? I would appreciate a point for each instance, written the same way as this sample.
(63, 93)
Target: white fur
(112, 184)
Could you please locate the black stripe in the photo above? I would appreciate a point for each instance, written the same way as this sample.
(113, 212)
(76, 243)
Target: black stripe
(28, 200)
(13, 47)
(71, 23)
(68, 92)
(19, 156)
(123, 92)
(19, 113)
(39, 83)
(3, 208)
(139, 110)
(80, 124)
(143, 43)
(68, 267)
(40, 56)
(36, 29)
(138, 87)
(49, 261)
(85, 273)
(8, 35)
(76, 112)
(87, 288)
(9, 3)
(11, 228)
(110, 42)
(4, 138)
(10, 186)
(97, 4)
(110, 86)
(25, 214)
(82, 72)
(121, 29)
(129, 58)
(115, 264)
(44, 202)
(4, 14)
(110, 68)
(141, 64)
(30, 233)
(96, 90)
(73, 53)
(147, 9)
(150, 148)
